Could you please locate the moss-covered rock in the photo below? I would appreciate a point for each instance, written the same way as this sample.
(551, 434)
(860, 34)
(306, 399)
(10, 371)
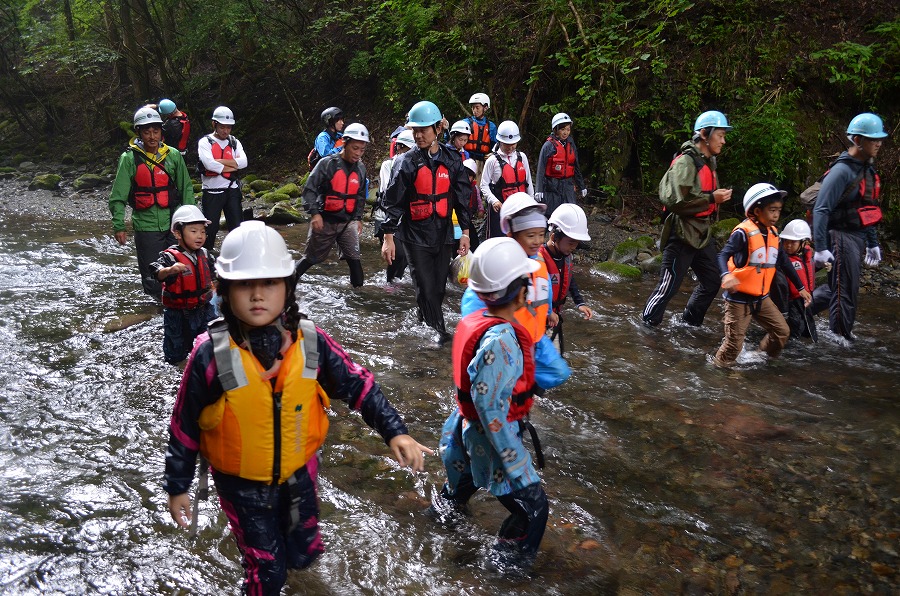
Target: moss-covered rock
(250, 178)
(86, 181)
(625, 252)
(68, 159)
(7, 172)
(722, 229)
(45, 182)
(198, 188)
(261, 185)
(290, 189)
(617, 271)
(652, 264)
(19, 158)
(274, 197)
(645, 241)
(283, 213)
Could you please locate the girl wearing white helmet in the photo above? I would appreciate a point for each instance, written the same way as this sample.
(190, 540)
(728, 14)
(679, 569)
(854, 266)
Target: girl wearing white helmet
(459, 136)
(264, 356)
(483, 133)
(506, 172)
(522, 219)
(568, 229)
(481, 441)
(558, 171)
(795, 239)
(403, 143)
(747, 266)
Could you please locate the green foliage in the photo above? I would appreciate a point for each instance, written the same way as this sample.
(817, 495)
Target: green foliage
(866, 68)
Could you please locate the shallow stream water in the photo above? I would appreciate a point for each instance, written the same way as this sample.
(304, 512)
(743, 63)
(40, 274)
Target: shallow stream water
(664, 474)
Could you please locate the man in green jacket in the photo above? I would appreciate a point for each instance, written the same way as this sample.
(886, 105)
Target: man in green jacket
(154, 181)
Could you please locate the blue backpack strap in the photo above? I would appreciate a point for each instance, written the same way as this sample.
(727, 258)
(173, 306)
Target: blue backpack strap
(228, 361)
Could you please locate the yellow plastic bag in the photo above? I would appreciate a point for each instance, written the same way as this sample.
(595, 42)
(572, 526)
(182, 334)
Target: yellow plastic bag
(459, 267)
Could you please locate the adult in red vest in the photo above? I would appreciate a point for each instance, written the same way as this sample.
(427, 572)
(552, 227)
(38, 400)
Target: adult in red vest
(222, 157)
(335, 197)
(558, 172)
(691, 194)
(427, 183)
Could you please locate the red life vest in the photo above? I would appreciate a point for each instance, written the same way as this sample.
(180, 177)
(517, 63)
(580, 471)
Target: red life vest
(219, 152)
(432, 191)
(708, 181)
(343, 190)
(803, 263)
(193, 286)
(479, 141)
(465, 344)
(560, 280)
(151, 184)
(860, 209)
(512, 179)
(756, 275)
(560, 164)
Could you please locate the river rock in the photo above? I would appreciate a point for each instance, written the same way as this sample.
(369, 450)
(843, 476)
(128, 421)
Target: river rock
(86, 181)
(283, 213)
(8, 172)
(27, 166)
(290, 189)
(274, 197)
(617, 271)
(45, 182)
(261, 185)
(625, 252)
(651, 265)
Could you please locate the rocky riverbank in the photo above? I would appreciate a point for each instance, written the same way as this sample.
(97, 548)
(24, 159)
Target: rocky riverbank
(621, 248)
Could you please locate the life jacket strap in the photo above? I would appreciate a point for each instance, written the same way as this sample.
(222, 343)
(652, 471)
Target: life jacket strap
(228, 361)
(310, 347)
(525, 423)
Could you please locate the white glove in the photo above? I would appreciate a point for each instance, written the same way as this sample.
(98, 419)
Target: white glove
(538, 196)
(873, 256)
(583, 192)
(823, 256)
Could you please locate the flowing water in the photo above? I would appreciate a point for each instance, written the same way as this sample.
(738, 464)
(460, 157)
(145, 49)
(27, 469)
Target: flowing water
(664, 474)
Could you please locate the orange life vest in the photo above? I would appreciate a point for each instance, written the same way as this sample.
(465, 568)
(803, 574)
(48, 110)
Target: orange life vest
(533, 316)
(479, 142)
(151, 183)
(512, 179)
(432, 191)
(343, 190)
(560, 164)
(762, 257)
(193, 286)
(466, 341)
(709, 181)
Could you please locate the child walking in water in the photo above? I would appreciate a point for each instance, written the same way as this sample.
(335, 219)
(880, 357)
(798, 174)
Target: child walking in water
(493, 370)
(253, 402)
(747, 264)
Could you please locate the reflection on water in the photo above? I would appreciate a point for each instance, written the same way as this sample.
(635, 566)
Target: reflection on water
(664, 474)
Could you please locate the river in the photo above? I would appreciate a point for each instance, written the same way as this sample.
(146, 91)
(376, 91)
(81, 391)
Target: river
(664, 474)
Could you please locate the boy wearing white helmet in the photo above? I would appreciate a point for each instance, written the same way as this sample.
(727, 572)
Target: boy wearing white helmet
(264, 356)
(558, 170)
(747, 265)
(506, 172)
(221, 158)
(335, 197)
(483, 133)
(493, 370)
(403, 142)
(153, 180)
(187, 275)
(568, 229)
(795, 239)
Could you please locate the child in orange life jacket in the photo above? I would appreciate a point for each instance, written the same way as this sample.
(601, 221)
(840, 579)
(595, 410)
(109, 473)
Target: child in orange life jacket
(522, 218)
(253, 402)
(493, 371)
(795, 243)
(568, 228)
(186, 272)
(747, 264)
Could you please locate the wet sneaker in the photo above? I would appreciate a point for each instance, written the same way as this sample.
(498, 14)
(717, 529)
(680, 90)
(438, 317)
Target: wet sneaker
(446, 512)
(717, 362)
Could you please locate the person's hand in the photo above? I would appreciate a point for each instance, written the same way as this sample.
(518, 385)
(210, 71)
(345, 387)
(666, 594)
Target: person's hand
(316, 222)
(538, 196)
(180, 509)
(552, 319)
(873, 256)
(359, 227)
(730, 281)
(823, 256)
(586, 311)
(583, 193)
(496, 206)
(408, 452)
(122, 237)
(464, 243)
(807, 297)
(388, 251)
(720, 195)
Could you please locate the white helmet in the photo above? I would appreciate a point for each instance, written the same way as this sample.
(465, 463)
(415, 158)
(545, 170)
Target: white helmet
(145, 116)
(187, 214)
(757, 192)
(570, 219)
(223, 115)
(481, 98)
(357, 132)
(508, 132)
(470, 165)
(796, 230)
(497, 263)
(406, 138)
(560, 119)
(462, 127)
(254, 251)
(515, 205)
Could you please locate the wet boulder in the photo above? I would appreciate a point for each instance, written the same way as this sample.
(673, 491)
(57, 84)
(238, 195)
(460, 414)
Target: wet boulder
(274, 197)
(290, 189)
(7, 172)
(261, 185)
(283, 213)
(86, 181)
(617, 271)
(45, 182)
(651, 264)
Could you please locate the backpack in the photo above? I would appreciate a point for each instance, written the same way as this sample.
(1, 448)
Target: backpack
(201, 169)
(808, 196)
(313, 158)
(664, 196)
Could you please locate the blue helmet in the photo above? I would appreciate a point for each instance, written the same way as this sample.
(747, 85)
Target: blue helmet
(711, 119)
(166, 107)
(424, 113)
(868, 125)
